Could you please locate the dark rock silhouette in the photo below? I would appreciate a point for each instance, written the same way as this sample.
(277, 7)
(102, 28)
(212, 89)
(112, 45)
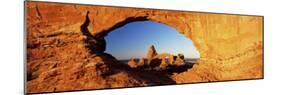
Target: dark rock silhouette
(97, 44)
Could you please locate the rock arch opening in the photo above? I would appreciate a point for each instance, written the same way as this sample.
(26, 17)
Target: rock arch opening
(151, 43)
(144, 44)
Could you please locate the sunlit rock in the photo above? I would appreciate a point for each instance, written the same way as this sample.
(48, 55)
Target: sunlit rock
(141, 62)
(151, 53)
(132, 63)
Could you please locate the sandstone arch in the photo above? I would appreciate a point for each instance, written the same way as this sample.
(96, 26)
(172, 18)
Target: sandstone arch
(214, 35)
(230, 46)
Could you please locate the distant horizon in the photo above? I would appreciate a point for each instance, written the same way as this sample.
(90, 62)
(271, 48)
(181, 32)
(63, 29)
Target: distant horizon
(134, 39)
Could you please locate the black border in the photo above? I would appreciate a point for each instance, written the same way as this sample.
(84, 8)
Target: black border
(25, 47)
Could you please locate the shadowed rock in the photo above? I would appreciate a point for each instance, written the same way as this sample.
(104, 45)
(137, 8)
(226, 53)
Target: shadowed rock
(96, 44)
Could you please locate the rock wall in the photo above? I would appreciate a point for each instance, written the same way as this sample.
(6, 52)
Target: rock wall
(230, 46)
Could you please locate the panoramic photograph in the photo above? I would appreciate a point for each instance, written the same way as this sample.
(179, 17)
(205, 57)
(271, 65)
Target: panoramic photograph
(75, 47)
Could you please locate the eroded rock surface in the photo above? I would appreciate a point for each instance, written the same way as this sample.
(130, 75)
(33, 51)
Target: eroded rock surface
(60, 56)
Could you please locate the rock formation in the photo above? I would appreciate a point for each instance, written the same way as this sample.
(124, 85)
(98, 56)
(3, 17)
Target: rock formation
(151, 53)
(157, 60)
(132, 63)
(163, 64)
(179, 60)
(167, 59)
(181, 56)
(60, 55)
(141, 62)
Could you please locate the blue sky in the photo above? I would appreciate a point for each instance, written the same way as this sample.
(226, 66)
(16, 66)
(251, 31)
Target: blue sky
(133, 40)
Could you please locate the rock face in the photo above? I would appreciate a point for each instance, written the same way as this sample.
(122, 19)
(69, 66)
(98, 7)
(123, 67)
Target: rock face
(65, 45)
(151, 53)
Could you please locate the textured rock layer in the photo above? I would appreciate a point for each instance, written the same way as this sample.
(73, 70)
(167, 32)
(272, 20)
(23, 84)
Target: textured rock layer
(59, 59)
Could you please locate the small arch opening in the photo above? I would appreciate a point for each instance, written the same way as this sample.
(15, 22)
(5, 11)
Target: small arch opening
(133, 41)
